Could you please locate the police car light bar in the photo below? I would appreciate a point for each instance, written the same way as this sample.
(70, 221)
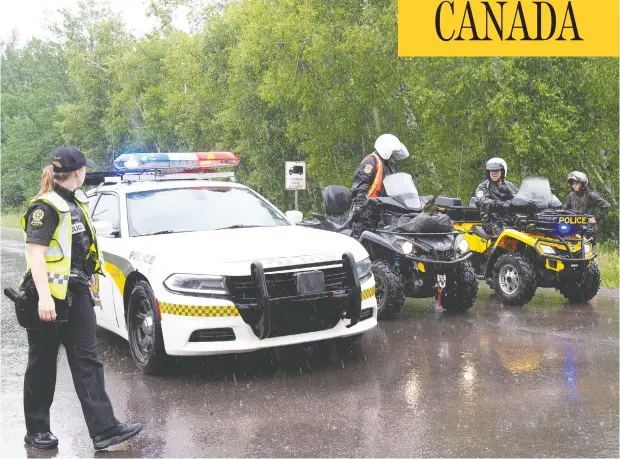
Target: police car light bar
(108, 178)
(179, 162)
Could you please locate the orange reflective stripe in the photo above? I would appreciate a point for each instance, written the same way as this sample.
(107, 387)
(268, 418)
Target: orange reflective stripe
(377, 184)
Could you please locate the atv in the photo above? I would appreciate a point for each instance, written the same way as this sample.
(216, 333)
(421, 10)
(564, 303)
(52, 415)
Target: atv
(541, 245)
(414, 254)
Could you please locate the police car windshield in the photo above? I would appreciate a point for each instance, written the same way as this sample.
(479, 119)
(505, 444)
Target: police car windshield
(537, 190)
(198, 209)
(401, 185)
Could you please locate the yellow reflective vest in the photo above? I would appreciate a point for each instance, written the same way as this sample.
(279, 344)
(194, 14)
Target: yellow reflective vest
(58, 255)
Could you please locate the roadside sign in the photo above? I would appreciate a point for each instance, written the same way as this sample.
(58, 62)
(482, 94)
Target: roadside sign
(295, 175)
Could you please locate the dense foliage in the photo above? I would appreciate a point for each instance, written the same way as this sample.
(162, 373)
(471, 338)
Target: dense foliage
(317, 80)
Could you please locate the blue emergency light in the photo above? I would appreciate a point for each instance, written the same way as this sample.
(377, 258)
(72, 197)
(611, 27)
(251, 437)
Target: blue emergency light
(564, 228)
(185, 161)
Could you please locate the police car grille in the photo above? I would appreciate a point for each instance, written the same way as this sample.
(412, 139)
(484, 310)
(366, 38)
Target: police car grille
(304, 317)
(281, 285)
(295, 315)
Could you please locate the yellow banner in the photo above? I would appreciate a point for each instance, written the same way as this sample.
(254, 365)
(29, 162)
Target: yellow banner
(508, 28)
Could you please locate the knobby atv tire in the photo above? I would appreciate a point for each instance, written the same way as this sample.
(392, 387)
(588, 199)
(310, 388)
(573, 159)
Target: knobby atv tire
(151, 359)
(491, 283)
(527, 283)
(390, 289)
(461, 289)
(585, 291)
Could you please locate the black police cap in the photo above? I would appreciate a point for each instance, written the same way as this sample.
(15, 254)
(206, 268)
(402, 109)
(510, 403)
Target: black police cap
(68, 159)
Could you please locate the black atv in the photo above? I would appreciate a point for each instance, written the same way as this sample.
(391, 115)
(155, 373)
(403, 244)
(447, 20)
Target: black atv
(413, 254)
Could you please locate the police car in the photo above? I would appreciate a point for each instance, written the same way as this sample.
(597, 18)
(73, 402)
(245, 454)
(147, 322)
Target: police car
(198, 264)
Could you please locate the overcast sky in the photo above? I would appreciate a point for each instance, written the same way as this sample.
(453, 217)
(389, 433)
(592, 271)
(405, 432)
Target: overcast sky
(28, 16)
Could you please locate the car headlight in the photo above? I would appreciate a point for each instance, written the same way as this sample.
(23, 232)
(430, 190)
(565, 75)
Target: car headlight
(547, 249)
(462, 246)
(196, 283)
(587, 247)
(363, 269)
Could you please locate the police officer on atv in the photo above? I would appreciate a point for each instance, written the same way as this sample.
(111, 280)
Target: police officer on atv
(494, 195)
(585, 200)
(368, 179)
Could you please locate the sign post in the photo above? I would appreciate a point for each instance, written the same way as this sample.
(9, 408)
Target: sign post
(295, 178)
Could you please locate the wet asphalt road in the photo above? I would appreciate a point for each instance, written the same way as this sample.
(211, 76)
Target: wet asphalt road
(498, 381)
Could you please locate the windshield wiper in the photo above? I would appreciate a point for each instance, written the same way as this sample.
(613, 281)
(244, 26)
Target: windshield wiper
(159, 232)
(238, 226)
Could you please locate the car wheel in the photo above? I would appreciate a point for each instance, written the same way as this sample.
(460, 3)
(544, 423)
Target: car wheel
(146, 341)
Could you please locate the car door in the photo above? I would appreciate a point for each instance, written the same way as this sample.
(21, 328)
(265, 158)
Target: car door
(106, 214)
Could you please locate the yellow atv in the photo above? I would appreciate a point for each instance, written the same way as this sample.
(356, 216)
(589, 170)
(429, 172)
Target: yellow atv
(541, 246)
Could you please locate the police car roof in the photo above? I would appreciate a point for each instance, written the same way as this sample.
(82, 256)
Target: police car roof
(128, 186)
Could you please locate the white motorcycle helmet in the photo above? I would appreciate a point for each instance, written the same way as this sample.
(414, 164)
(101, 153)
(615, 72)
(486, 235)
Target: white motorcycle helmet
(578, 176)
(497, 164)
(387, 145)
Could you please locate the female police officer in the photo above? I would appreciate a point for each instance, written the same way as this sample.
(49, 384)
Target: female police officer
(62, 255)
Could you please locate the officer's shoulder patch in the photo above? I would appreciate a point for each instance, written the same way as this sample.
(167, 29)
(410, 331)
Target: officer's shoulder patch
(36, 219)
(368, 168)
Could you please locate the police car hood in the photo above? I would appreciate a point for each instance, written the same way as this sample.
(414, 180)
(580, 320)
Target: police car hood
(231, 252)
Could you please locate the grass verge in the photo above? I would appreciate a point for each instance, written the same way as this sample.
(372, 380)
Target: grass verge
(10, 219)
(608, 262)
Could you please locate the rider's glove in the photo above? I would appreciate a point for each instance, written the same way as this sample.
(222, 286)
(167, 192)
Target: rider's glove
(498, 205)
(356, 213)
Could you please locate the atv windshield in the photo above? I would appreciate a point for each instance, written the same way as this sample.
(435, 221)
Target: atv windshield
(538, 191)
(401, 185)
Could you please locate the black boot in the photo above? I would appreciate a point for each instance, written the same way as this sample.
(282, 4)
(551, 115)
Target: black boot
(45, 440)
(117, 434)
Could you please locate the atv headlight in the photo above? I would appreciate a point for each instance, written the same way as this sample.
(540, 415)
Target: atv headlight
(363, 269)
(196, 283)
(587, 248)
(547, 249)
(461, 244)
(406, 247)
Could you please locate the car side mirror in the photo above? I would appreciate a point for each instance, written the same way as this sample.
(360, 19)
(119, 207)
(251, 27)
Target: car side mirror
(105, 229)
(295, 217)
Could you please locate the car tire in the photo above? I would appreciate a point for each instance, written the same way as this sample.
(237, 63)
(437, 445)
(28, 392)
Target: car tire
(461, 291)
(515, 278)
(146, 341)
(586, 290)
(390, 292)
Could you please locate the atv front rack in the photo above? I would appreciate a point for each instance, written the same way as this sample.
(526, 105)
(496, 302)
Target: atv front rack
(352, 291)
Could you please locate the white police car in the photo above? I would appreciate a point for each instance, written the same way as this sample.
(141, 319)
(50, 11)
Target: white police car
(195, 266)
